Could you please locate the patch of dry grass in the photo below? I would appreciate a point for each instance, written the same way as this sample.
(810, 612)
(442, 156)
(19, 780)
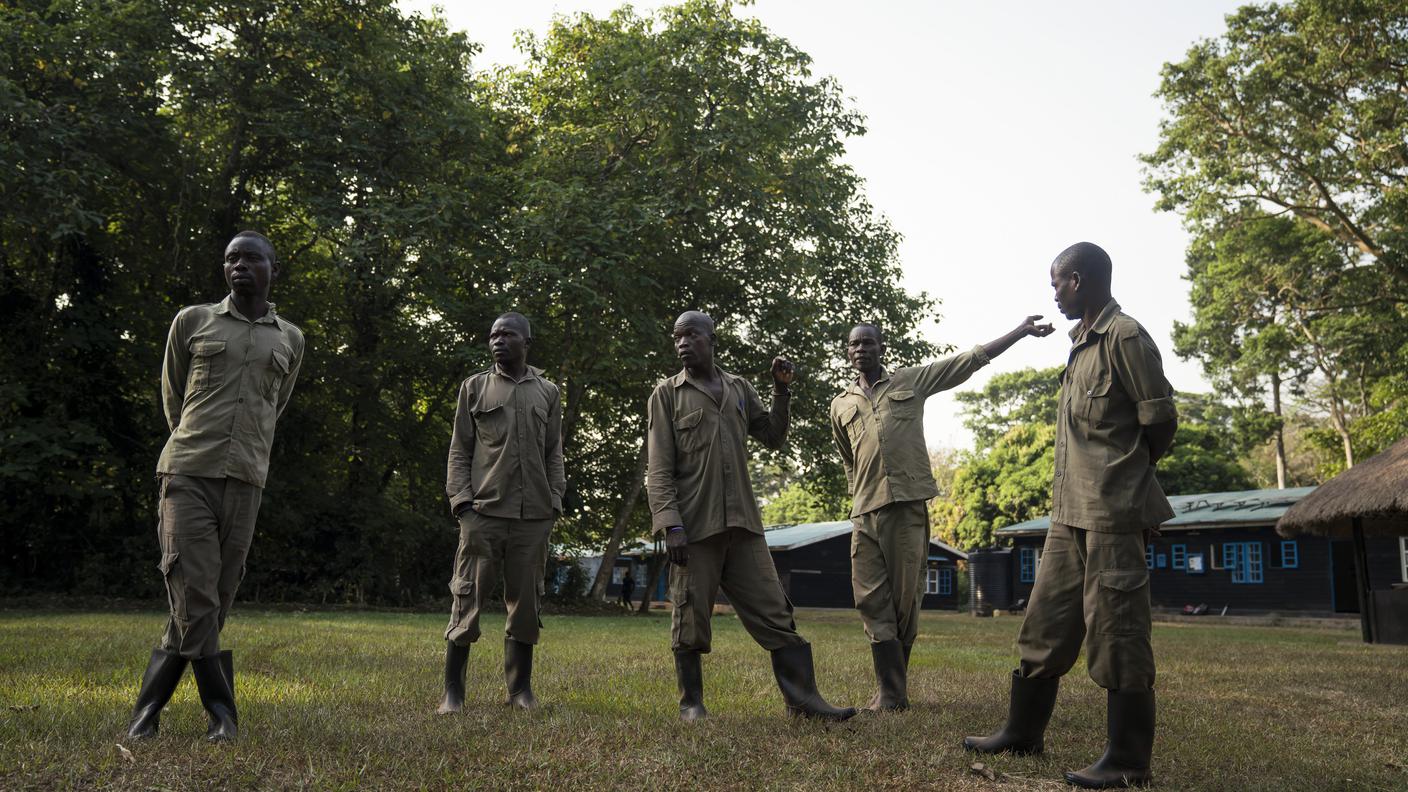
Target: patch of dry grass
(345, 701)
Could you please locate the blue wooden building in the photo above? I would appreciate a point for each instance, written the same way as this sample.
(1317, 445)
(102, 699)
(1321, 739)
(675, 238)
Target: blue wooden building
(1221, 550)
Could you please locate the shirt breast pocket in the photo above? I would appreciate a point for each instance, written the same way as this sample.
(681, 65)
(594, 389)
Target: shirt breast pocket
(691, 432)
(850, 419)
(903, 405)
(207, 365)
(491, 425)
(1096, 395)
(279, 367)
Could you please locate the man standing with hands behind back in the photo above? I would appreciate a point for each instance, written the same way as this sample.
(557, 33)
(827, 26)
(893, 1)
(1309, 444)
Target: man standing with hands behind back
(227, 377)
(1115, 420)
(878, 427)
(505, 480)
(701, 499)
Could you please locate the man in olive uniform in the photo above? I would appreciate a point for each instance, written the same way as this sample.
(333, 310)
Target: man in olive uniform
(701, 499)
(228, 373)
(878, 426)
(1116, 419)
(505, 481)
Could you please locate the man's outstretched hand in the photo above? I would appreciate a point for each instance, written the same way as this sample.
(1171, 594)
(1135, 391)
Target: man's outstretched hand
(1030, 327)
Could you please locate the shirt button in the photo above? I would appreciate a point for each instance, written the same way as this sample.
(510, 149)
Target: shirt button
(1090, 392)
(241, 400)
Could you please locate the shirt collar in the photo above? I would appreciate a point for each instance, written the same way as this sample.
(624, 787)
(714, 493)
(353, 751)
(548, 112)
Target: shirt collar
(1102, 321)
(683, 377)
(858, 384)
(227, 306)
(531, 372)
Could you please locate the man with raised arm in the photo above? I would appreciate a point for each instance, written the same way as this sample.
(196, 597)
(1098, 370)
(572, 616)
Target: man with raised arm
(226, 378)
(505, 481)
(702, 501)
(1116, 419)
(878, 426)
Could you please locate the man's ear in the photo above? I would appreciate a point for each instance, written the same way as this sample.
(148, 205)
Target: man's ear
(273, 270)
(1075, 279)
(527, 341)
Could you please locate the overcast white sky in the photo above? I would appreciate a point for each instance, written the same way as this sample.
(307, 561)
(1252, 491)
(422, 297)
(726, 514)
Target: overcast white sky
(999, 133)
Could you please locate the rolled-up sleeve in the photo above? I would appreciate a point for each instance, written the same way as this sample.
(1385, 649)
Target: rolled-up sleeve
(660, 466)
(1140, 369)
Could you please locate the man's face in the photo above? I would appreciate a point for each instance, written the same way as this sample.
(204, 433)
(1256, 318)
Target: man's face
(694, 344)
(249, 267)
(863, 349)
(508, 341)
(1066, 285)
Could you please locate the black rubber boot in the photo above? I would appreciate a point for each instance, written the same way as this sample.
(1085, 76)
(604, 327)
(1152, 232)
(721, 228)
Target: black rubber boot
(456, 657)
(796, 678)
(163, 674)
(1130, 728)
(518, 673)
(215, 681)
(1028, 712)
(891, 677)
(690, 673)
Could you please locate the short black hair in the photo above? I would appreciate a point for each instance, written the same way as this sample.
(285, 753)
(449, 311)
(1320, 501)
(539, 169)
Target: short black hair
(518, 319)
(697, 317)
(879, 334)
(1087, 258)
(269, 246)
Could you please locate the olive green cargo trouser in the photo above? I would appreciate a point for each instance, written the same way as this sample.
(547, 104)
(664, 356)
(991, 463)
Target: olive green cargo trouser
(205, 526)
(889, 557)
(1092, 587)
(491, 547)
(738, 561)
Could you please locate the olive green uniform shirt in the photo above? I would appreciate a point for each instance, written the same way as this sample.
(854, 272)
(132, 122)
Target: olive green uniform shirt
(698, 459)
(506, 449)
(880, 434)
(1112, 387)
(224, 382)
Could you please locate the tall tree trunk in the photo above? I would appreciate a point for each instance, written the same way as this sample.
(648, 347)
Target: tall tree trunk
(1280, 430)
(618, 531)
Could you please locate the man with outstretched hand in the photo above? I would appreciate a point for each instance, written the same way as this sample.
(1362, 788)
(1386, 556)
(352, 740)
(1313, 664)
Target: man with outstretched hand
(505, 481)
(1115, 420)
(226, 378)
(878, 426)
(701, 499)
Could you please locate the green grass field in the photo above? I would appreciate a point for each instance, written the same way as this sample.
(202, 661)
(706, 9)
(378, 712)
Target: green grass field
(338, 700)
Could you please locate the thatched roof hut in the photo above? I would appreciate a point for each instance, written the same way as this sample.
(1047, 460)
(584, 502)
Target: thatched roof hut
(1369, 499)
(1374, 491)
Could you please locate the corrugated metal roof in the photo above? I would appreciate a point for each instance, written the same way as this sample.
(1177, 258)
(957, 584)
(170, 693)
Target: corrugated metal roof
(790, 537)
(1204, 510)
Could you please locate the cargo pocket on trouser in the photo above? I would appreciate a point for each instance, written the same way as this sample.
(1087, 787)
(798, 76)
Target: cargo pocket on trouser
(461, 610)
(1122, 602)
(684, 628)
(170, 567)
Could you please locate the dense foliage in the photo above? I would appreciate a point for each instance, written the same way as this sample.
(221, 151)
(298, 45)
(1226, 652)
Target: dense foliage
(634, 166)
